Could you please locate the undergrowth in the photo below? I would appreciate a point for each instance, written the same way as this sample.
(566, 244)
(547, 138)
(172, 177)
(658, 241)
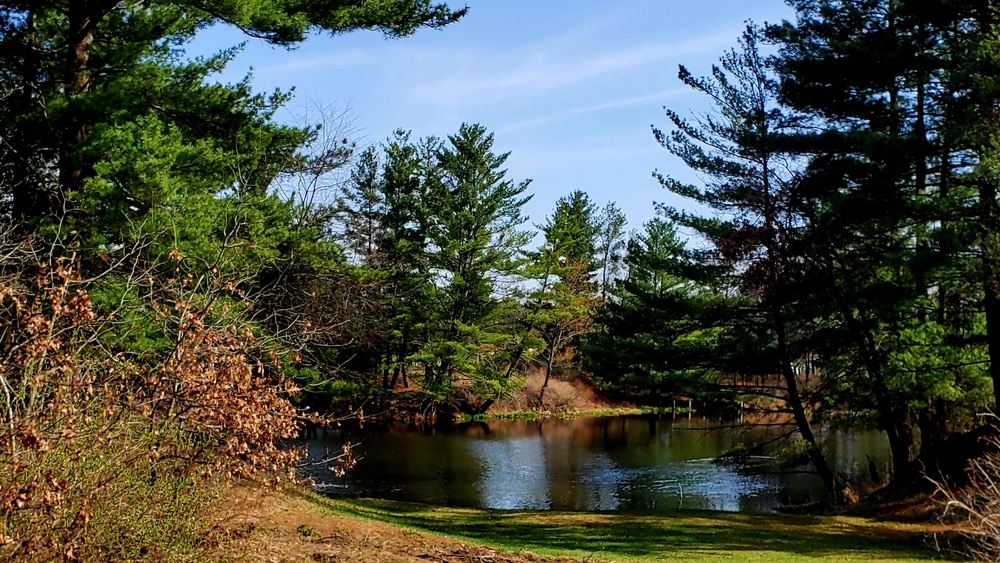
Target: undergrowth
(110, 454)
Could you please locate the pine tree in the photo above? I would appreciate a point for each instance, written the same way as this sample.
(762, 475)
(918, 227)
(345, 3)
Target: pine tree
(572, 230)
(882, 194)
(108, 123)
(563, 305)
(362, 209)
(752, 238)
(475, 247)
(405, 181)
(610, 246)
(662, 336)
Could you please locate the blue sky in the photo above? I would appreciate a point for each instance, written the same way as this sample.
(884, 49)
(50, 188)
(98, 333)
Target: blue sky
(569, 88)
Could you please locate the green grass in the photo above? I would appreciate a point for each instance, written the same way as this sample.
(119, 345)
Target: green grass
(683, 536)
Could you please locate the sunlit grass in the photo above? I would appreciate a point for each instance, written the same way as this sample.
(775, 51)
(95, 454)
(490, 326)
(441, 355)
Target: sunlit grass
(682, 536)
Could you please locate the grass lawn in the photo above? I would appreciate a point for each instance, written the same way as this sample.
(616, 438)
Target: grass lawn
(683, 536)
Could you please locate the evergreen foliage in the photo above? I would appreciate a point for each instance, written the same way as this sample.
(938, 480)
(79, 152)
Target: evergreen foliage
(610, 245)
(475, 248)
(845, 224)
(851, 232)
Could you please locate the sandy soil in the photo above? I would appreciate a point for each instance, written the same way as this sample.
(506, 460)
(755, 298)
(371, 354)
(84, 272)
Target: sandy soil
(258, 525)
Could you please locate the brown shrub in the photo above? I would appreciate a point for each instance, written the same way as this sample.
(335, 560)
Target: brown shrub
(973, 509)
(105, 456)
(564, 393)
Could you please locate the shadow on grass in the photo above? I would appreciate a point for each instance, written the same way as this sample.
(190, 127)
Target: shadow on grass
(678, 535)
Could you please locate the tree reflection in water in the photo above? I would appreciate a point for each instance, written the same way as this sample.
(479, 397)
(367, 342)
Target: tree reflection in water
(612, 463)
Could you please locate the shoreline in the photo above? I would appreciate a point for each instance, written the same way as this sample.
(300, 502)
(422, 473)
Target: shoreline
(594, 413)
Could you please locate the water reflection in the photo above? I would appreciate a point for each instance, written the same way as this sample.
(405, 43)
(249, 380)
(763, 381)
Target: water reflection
(514, 473)
(616, 463)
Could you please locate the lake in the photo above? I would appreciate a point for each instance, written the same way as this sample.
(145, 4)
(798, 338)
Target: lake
(648, 463)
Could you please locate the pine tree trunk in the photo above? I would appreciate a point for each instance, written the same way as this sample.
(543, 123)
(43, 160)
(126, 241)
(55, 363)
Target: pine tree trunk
(30, 198)
(404, 346)
(81, 38)
(989, 246)
(548, 372)
(989, 249)
(893, 419)
(83, 18)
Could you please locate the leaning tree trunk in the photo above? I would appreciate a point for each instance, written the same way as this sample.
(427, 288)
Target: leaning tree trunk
(545, 383)
(816, 456)
(548, 367)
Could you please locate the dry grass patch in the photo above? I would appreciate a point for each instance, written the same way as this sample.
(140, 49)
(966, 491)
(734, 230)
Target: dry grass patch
(261, 525)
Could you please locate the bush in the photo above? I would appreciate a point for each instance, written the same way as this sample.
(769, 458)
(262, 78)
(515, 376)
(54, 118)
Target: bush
(974, 507)
(110, 455)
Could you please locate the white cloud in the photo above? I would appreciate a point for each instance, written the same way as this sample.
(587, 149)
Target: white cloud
(538, 121)
(354, 57)
(545, 72)
(581, 157)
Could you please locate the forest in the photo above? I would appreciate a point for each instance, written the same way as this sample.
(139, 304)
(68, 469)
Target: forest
(187, 281)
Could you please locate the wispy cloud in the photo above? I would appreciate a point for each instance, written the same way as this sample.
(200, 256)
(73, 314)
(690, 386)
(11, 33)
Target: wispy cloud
(545, 72)
(354, 57)
(583, 156)
(538, 121)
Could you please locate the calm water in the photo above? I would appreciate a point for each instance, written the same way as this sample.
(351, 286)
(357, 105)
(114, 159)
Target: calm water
(620, 463)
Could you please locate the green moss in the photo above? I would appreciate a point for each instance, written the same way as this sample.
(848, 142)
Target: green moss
(517, 415)
(307, 531)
